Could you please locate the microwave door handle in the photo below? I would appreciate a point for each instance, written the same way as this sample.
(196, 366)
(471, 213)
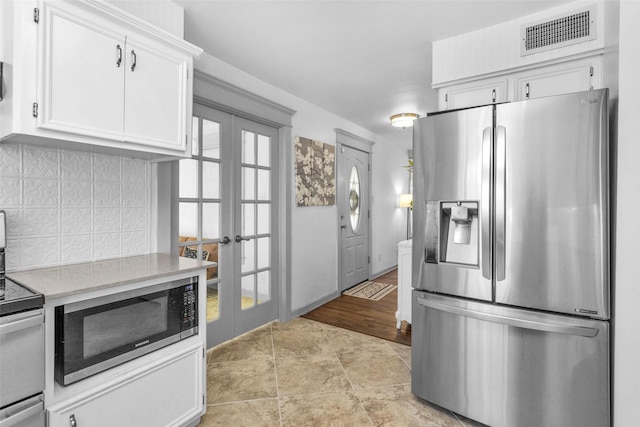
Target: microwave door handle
(485, 203)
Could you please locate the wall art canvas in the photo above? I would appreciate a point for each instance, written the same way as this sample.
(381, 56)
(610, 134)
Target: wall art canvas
(315, 173)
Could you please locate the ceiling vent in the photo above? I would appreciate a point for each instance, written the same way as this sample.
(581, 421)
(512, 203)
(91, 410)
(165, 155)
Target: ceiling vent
(559, 31)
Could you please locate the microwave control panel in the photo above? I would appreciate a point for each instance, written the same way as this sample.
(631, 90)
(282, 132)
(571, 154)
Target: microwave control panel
(190, 307)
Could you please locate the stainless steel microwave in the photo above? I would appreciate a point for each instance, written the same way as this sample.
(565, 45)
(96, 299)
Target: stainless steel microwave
(97, 334)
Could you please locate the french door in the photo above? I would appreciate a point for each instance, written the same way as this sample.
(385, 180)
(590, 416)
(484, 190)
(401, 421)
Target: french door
(228, 215)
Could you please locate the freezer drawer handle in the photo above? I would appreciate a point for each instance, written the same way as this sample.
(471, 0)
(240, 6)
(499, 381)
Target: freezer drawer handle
(511, 321)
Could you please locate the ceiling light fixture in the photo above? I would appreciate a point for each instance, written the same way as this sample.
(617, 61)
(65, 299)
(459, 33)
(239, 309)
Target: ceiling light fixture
(403, 120)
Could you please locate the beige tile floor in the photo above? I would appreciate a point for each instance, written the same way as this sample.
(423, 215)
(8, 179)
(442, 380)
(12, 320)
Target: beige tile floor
(305, 373)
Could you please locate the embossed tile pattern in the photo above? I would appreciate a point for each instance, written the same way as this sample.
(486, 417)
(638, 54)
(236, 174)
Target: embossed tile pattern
(66, 206)
(305, 373)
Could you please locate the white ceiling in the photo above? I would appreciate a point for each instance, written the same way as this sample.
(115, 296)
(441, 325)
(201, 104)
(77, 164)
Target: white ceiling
(363, 60)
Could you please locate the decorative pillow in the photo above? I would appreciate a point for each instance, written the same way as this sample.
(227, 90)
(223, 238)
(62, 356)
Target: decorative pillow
(193, 253)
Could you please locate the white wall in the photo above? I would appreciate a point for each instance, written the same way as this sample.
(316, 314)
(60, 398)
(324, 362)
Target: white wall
(389, 180)
(626, 379)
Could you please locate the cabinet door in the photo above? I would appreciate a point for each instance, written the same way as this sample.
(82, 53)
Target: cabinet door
(166, 395)
(155, 96)
(82, 81)
(555, 80)
(476, 93)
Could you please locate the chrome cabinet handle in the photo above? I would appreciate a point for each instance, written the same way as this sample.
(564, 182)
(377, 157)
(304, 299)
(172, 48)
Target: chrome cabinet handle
(240, 238)
(119, 56)
(72, 421)
(133, 60)
(226, 240)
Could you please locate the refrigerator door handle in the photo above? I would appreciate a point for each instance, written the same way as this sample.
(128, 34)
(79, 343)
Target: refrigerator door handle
(511, 321)
(500, 199)
(485, 202)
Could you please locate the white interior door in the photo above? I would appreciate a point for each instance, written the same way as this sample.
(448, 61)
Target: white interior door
(227, 215)
(353, 207)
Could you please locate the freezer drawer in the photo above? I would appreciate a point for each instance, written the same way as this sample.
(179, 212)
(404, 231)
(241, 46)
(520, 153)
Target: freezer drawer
(510, 367)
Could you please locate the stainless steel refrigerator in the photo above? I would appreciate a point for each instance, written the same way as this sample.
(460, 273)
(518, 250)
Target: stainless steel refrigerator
(510, 311)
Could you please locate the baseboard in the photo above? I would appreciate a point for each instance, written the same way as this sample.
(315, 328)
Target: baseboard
(310, 307)
(314, 305)
(383, 272)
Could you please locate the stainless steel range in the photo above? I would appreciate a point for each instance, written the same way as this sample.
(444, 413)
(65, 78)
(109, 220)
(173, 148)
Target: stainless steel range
(21, 349)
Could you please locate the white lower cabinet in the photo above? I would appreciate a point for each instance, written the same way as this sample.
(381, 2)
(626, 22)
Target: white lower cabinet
(166, 392)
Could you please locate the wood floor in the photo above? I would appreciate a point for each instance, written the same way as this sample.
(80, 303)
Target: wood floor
(376, 318)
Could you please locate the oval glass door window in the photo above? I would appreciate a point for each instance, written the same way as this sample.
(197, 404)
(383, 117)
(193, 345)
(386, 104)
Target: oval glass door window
(354, 198)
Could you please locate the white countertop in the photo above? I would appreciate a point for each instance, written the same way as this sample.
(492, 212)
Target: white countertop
(66, 280)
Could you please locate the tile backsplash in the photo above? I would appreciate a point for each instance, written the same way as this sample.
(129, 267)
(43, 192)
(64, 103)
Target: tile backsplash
(67, 206)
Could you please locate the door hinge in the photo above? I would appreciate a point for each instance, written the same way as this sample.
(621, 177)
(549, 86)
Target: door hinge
(36, 15)
(591, 71)
(369, 167)
(446, 97)
(369, 259)
(34, 110)
(369, 214)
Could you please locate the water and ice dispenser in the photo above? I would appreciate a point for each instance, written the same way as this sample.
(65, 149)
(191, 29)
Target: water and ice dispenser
(452, 232)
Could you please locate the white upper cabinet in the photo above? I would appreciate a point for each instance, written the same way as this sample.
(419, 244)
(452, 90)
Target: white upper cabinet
(472, 94)
(564, 77)
(102, 80)
(533, 56)
(151, 76)
(573, 76)
(83, 84)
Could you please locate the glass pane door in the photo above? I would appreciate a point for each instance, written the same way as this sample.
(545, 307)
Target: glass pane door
(227, 215)
(203, 211)
(255, 232)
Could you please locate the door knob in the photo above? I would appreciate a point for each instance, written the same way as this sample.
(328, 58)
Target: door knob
(240, 238)
(226, 240)
(343, 226)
